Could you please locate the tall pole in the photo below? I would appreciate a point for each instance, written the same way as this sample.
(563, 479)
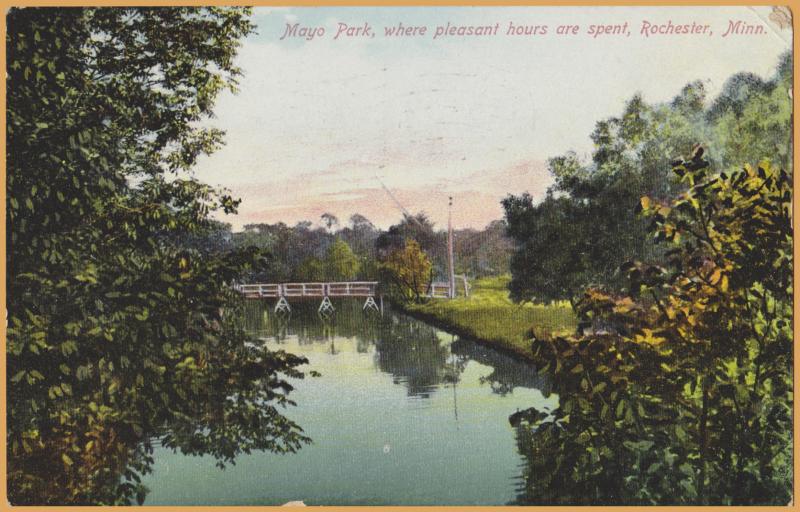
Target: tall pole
(450, 265)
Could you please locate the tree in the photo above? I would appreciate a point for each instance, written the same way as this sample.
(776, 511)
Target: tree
(422, 230)
(753, 117)
(287, 247)
(484, 253)
(360, 236)
(551, 261)
(586, 225)
(408, 270)
(311, 270)
(685, 382)
(340, 262)
(120, 329)
(417, 227)
(358, 221)
(329, 220)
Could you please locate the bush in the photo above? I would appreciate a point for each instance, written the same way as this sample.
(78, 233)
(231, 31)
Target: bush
(683, 392)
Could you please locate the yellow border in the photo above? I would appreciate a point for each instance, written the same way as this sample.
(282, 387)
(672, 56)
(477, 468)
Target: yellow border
(792, 4)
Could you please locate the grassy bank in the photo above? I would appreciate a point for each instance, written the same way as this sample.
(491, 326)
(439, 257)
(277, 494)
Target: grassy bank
(489, 315)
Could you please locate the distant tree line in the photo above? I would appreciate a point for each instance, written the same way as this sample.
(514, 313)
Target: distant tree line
(329, 251)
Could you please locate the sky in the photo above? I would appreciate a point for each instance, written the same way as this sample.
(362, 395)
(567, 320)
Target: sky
(375, 125)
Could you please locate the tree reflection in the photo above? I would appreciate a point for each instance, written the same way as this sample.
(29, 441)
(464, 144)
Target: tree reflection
(413, 354)
(417, 355)
(508, 372)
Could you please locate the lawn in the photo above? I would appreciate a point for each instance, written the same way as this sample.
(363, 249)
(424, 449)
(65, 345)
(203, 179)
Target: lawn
(489, 315)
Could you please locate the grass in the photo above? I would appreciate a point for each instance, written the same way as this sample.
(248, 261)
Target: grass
(490, 316)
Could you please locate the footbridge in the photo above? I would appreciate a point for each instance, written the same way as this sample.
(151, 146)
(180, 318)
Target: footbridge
(285, 291)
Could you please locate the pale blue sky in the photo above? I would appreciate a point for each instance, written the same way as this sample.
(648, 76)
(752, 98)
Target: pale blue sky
(318, 125)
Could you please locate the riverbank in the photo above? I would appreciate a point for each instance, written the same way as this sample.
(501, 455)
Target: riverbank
(488, 315)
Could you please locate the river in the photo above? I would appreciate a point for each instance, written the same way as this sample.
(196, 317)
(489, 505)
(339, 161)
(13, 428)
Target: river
(402, 414)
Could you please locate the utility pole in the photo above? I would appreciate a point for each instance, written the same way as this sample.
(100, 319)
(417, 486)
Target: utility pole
(450, 265)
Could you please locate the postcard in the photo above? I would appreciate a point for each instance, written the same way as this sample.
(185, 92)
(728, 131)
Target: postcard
(399, 256)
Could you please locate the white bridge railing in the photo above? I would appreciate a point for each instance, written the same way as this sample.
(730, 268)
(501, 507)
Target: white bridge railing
(441, 290)
(436, 290)
(338, 289)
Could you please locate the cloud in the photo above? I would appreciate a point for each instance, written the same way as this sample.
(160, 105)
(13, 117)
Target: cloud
(306, 197)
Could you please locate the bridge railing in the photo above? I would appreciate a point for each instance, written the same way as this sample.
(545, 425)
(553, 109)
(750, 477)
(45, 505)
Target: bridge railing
(302, 289)
(259, 290)
(353, 288)
(436, 290)
(335, 289)
(439, 290)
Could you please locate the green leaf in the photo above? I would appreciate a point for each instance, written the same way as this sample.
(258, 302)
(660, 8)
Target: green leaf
(620, 408)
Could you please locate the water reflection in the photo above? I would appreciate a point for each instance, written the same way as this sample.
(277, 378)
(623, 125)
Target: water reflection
(417, 355)
(508, 372)
(421, 416)
(413, 354)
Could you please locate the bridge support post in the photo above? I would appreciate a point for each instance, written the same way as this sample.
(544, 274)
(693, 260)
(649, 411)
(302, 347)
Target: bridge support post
(326, 309)
(283, 306)
(370, 304)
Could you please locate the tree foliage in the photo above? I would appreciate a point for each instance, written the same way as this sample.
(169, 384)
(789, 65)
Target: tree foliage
(413, 227)
(680, 390)
(340, 262)
(485, 252)
(311, 270)
(554, 253)
(299, 252)
(120, 330)
(329, 220)
(586, 227)
(408, 272)
(288, 247)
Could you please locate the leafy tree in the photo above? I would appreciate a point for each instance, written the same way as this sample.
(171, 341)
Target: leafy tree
(214, 239)
(417, 227)
(369, 269)
(681, 389)
(311, 270)
(553, 252)
(586, 227)
(287, 247)
(358, 221)
(121, 329)
(329, 220)
(360, 236)
(340, 262)
(753, 117)
(484, 252)
(408, 270)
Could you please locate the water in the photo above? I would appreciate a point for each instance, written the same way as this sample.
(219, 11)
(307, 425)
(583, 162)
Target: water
(402, 414)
